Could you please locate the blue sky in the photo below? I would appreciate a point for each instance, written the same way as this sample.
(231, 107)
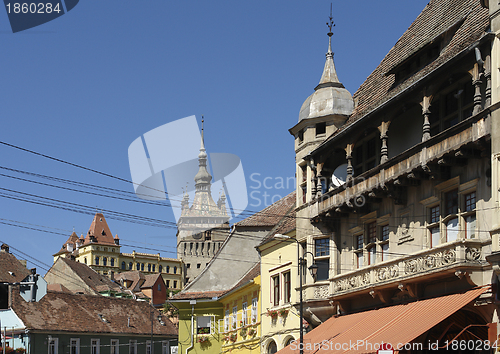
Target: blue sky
(81, 88)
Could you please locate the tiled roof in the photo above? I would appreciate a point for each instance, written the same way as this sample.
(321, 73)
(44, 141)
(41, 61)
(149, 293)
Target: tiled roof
(58, 287)
(271, 215)
(94, 280)
(150, 280)
(284, 226)
(437, 17)
(198, 295)
(135, 276)
(100, 229)
(11, 270)
(64, 312)
(73, 239)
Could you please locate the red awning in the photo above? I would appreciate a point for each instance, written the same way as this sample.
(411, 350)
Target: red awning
(365, 332)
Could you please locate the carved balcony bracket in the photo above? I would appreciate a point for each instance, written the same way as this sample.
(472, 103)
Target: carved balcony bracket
(383, 295)
(476, 74)
(426, 128)
(384, 128)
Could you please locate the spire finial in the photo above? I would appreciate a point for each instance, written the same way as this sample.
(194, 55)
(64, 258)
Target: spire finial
(330, 23)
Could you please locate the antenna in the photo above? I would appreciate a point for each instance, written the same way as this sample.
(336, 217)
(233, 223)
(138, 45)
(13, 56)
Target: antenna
(330, 23)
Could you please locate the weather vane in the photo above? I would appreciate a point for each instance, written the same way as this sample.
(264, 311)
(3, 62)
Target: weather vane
(330, 24)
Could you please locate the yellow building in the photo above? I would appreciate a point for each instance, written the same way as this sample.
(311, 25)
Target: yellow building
(240, 327)
(101, 252)
(280, 279)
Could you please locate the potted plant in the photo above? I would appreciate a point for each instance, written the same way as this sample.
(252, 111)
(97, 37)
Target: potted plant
(243, 332)
(252, 332)
(283, 312)
(203, 340)
(273, 314)
(234, 325)
(233, 337)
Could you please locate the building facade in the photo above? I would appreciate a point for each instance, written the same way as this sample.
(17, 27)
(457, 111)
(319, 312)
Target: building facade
(102, 252)
(398, 188)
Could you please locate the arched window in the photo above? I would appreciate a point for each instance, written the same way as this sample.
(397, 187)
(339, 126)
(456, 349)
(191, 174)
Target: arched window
(175, 270)
(168, 269)
(160, 268)
(96, 260)
(112, 261)
(289, 341)
(142, 266)
(123, 265)
(130, 265)
(104, 261)
(154, 268)
(85, 260)
(272, 348)
(149, 267)
(138, 266)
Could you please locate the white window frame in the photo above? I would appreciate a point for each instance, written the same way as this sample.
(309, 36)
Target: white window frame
(54, 342)
(114, 346)
(149, 348)
(234, 318)
(165, 347)
(95, 344)
(254, 313)
(226, 321)
(244, 313)
(132, 346)
(74, 343)
(203, 318)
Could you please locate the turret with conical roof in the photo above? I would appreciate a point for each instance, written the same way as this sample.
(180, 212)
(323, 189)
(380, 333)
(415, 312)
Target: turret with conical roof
(321, 114)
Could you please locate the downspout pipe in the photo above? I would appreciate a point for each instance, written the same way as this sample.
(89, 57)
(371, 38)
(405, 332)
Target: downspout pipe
(192, 302)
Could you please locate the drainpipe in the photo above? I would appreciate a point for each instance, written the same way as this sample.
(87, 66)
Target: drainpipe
(192, 303)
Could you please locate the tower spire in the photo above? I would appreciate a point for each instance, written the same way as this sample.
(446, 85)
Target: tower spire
(203, 177)
(329, 77)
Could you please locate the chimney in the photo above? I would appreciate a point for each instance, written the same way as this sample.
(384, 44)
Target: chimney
(5, 248)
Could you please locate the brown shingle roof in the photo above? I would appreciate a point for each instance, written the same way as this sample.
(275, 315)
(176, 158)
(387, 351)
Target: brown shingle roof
(271, 215)
(63, 312)
(11, 270)
(150, 280)
(100, 229)
(198, 295)
(93, 279)
(437, 17)
(135, 276)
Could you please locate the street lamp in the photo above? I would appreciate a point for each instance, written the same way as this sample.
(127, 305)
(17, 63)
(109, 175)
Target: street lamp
(314, 270)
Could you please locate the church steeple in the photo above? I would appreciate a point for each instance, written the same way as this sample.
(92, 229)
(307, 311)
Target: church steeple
(203, 178)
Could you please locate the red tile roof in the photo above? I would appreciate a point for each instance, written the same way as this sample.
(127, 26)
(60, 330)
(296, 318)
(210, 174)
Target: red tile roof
(94, 280)
(11, 269)
(64, 312)
(271, 215)
(100, 230)
(437, 17)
